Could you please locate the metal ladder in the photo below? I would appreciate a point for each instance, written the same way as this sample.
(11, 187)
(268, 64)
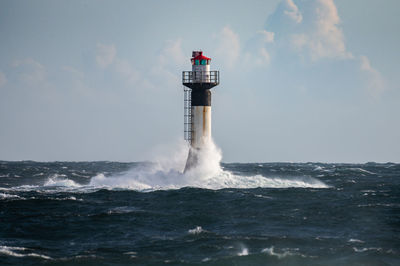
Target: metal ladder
(187, 116)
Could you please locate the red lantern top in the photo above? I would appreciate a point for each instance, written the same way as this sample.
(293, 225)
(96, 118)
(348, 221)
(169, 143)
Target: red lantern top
(199, 59)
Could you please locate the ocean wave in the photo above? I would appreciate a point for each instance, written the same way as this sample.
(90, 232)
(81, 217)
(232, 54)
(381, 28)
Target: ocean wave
(150, 181)
(9, 196)
(208, 174)
(167, 174)
(60, 181)
(147, 180)
(123, 209)
(353, 240)
(286, 252)
(359, 250)
(11, 251)
(243, 252)
(360, 170)
(196, 231)
(270, 251)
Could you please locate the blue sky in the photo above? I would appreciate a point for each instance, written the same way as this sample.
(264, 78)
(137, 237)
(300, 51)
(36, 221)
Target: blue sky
(301, 81)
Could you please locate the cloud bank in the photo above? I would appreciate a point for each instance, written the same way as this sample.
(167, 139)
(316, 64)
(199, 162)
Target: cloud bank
(303, 32)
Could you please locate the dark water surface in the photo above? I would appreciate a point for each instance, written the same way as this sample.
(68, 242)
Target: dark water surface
(305, 214)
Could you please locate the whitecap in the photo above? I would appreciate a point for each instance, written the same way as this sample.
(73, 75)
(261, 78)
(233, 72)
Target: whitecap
(196, 231)
(262, 196)
(150, 180)
(55, 181)
(11, 251)
(352, 240)
(9, 196)
(318, 168)
(167, 174)
(132, 254)
(362, 170)
(270, 251)
(67, 198)
(39, 174)
(123, 209)
(244, 252)
(365, 249)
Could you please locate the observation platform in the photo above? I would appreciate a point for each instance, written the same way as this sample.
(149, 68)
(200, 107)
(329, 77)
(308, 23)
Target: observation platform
(200, 79)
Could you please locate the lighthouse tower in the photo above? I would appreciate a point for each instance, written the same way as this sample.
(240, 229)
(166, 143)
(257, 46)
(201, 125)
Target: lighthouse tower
(197, 93)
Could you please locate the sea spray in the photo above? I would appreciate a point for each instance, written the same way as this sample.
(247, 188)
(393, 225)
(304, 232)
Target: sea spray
(207, 163)
(169, 156)
(166, 173)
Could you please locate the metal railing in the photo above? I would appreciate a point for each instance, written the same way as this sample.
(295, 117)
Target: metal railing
(200, 77)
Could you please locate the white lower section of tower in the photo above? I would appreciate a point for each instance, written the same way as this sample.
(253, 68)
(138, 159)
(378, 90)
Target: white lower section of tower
(201, 126)
(201, 134)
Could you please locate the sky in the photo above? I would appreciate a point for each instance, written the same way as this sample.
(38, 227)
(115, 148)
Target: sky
(301, 80)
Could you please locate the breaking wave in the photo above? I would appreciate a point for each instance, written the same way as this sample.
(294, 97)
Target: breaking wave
(166, 173)
(207, 174)
(21, 252)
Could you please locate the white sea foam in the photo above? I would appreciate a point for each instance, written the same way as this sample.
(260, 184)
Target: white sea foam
(123, 209)
(366, 249)
(132, 254)
(243, 252)
(9, 196)
(270, 251)
(196, 231)
(56, 181)
(40, 174)
(352, 240)
(208, 174)
(318, 168)
(362, 171)
(144, 179)
(11, 251)
(166, 173)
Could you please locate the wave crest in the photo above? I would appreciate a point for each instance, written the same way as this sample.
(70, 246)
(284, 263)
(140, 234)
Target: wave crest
(166, 173)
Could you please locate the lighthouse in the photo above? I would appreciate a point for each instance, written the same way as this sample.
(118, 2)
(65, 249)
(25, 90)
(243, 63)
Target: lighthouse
(197, 105)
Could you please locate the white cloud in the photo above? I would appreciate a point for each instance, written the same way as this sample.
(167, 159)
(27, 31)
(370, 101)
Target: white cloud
(256, 53)
(321, 37)
(105, 54)
(292, 11)
(311, 28)
(170, 62)
(3, 79)
(106, 57)
(307, 30)
(73, 71)
(30, 70)
(228, 46)
(75, 83)
(169, 58)
(374, 77)
(125, 69)
(266, 36)
(172, 53)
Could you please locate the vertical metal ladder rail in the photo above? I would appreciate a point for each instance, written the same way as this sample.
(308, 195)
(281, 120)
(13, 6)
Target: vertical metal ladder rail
(187, 117)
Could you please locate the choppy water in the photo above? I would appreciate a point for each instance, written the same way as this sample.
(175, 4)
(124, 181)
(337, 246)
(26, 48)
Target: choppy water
(102, 213)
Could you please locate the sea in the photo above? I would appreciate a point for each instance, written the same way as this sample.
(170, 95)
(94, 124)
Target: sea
(139, 213)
